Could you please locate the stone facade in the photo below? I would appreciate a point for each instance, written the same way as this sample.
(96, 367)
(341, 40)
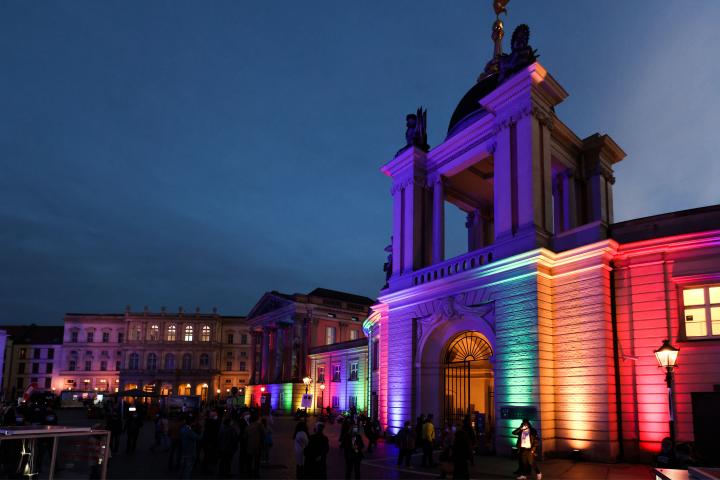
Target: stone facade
(31, 356)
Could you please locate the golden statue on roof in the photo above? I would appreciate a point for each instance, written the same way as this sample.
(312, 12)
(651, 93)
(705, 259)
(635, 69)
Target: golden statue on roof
(499, 6)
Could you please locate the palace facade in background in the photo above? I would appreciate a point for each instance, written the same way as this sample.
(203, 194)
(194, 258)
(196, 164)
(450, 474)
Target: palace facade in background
(554, 312)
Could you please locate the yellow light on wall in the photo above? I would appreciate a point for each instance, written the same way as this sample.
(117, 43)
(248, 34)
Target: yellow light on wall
(667, 355)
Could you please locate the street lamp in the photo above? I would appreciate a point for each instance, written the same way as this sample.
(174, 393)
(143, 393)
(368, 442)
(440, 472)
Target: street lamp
(667, 358)
(322, 398)
(307, 381)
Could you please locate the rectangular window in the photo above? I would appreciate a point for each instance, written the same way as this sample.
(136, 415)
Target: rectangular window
(336, 402)
(23, 353)
(329, 335)
(51, 353)
(36, 353)
(72, 365)
(243, 366)
(121, 337)
(19, 384)
(118, 365)
(228, 365)
(90, 337)
(336, 373)
(21, 368)
(321, 374)
(701, 311)
(353, 371)
(48, 382)
(352, 401)
(243, 339)
(103, 365)
(74, 336)
(243, 354)
(48, 368)
(353, 334)
(231, 337)
(88, 365)
(106, 337)
(35, 368)
(375, 355)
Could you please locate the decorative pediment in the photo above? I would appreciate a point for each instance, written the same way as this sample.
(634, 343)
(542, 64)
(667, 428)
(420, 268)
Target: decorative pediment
(269, 302)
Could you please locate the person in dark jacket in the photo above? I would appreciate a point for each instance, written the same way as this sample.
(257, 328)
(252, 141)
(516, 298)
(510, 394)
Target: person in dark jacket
(132, 429)
(353, 446)
(527, 443)
(461, 455)
(316, 454)
(210, 435)
(227, 445)
(406, 444)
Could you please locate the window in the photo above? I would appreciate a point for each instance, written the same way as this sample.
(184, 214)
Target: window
(155, 332)
(228, 365)
(137, 333)
(23, 353)
(204, 360)
(134, 361)
(243, 339)
(171, 333)
(48, 368)
(103, 365)
(243, 366)
(336, 373)
(336, 402)
(169, 361)
(353, 371)
(375, 355)
(353, 334)
(118, 365)
(187, 361)
(21, 368)
(74, 336)
(188, 333)
(35, 368)
(243, 354)
(88, 365)
(48, 382)
(51, 353)
(121, 337)
(72, 366)
(702, 311)
(329, 335)
(36, 353)
(152, 361)
(205, 333)
(230, 337)
(90, 337)
(321, 374)
(106, 337)
(352, 401)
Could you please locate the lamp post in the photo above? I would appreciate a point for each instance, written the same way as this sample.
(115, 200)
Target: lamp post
(667, 358)
(322, 396)
(307, 381)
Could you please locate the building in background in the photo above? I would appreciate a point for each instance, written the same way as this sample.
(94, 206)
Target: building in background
(167, 353)
(554, 311)
(339, 372)
(31, 356)
(286, 330)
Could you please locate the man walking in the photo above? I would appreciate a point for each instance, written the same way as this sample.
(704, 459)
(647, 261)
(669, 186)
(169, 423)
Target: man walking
(527, 443)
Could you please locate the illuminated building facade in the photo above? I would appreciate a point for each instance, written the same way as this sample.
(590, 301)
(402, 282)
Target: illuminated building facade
(31, 353)
(555, 310)
(287, 329)
(185, 353)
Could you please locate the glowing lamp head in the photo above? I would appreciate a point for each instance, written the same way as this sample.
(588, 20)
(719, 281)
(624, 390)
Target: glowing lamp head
(217, 391)
(667, 355)
(307, 381)
(262, 389)
(322, 386)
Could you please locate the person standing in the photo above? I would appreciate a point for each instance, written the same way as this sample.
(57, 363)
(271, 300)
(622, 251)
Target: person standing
(255, 445)
(301, 440)
(132, 430)
(527, 443)
(428, 441)
(406, 444)
(189, 439)
(354, 447)
(461, 454)
(114, 424)
(227, 444)
(210, 435)
(316, 454)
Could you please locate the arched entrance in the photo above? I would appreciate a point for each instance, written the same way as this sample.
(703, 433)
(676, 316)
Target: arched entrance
(468, 381)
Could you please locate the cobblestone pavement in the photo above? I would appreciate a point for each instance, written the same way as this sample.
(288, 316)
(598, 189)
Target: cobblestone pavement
(381, 463)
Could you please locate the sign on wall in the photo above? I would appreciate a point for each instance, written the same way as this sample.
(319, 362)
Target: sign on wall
(518, 412)
(306, 400)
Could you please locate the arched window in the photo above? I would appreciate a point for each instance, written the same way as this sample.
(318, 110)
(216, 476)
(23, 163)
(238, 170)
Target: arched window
(169, 361)
(152, 361)
(188, 333)
(205, 333)
(187, 361)
(204, 360)
(171, 333)
(154, 332)
(134, 361)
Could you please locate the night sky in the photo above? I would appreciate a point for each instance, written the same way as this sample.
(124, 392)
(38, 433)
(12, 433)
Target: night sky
(201, 153)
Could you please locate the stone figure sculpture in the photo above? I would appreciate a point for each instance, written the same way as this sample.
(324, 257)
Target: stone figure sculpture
(521, 56)
(416, 132)
(499, 6)
(387, 267)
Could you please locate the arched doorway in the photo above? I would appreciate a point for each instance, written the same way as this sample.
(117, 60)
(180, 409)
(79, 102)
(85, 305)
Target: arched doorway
(468, 381)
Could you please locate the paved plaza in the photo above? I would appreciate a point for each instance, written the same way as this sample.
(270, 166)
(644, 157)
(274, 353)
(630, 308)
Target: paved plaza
(381, 463)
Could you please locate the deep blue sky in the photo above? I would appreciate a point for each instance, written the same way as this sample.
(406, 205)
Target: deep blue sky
(201, 153)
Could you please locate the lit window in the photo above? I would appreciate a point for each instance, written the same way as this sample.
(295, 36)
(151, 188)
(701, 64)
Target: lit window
(137, 333)
(188, 333)
(329, 335)
(171, 333)
(336, 373)
(155, 332)
(353, 371)
(353, 334)
(204, 333)
(321, 374)
(701, 311)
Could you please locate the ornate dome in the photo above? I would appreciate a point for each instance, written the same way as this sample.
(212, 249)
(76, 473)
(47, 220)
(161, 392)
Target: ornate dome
(469, 107)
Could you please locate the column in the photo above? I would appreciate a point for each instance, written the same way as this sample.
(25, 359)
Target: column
(265, 356)
(569, 200)
(438, 220)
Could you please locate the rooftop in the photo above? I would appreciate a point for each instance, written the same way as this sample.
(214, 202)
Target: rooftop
(667, 224)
